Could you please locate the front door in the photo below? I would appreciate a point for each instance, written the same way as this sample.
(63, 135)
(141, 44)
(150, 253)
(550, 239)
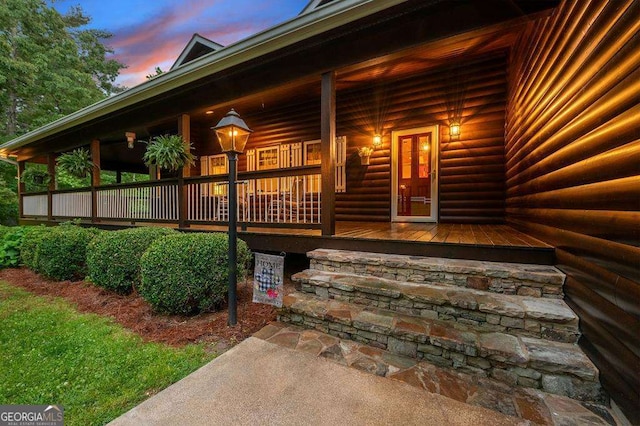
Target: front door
(414, 194)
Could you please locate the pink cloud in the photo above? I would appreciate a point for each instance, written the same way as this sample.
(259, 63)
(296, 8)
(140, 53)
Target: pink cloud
(159, 40)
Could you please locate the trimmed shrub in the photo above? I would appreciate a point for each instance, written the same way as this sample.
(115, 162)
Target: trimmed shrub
(61, 252)
(187, 273)
(10, 242)
(30, 243)
(113, 258)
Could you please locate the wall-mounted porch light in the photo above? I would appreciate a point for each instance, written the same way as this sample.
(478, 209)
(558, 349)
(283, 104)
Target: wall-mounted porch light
(377, 140)
(131, 138)
(233, 134)
(454, 129)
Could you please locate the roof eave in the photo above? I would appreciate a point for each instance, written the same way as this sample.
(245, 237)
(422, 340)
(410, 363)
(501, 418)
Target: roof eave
(278, 37)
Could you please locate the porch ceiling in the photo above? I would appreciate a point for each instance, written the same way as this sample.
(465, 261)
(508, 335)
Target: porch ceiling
(402, 40)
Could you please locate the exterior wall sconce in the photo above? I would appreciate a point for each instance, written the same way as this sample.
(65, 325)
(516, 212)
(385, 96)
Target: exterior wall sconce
(365, 154)
(454, 130)
(377, 140)
(131, 138)
(233, 134)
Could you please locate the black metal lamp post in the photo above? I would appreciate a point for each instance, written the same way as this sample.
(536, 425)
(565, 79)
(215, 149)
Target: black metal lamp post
(233, 134)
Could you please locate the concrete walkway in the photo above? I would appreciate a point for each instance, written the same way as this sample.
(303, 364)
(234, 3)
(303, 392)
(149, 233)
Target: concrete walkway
(260, 383)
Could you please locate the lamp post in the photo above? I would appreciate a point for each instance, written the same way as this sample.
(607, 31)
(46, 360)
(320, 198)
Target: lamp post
(232, 133)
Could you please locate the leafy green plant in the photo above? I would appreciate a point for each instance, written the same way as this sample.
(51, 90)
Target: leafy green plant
(188, 273)
(168, 152)
(10, 243)
(77, 163)
(113, 258)
(35, 177)
(61, 252)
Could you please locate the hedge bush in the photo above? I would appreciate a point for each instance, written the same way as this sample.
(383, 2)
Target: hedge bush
(187, 273)
(113, 258)
(61, 252)
(30, 243)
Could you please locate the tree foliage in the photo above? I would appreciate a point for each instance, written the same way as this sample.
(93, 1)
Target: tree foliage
(49, 65)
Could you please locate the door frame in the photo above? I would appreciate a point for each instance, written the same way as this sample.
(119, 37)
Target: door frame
(435, 149)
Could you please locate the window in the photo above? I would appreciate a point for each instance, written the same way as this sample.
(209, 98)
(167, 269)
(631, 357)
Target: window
(312, 157)
(312, 153)
(268, 159)
(214, 165)
(218, 165)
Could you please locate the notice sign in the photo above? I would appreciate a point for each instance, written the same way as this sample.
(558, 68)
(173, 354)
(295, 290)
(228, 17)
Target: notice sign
(268, 276)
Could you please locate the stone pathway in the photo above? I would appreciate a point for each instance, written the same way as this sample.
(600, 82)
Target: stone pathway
(533, 406)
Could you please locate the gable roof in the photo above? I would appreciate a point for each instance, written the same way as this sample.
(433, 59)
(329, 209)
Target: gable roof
(314, 4)
(198, 46)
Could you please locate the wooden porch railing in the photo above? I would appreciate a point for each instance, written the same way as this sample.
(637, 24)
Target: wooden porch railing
(287, 197)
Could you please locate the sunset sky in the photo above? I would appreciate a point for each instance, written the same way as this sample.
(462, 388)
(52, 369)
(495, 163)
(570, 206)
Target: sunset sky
(147, 33)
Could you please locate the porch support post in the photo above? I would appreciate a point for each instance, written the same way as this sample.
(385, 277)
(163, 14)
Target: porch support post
(51, 169)
(21, 189)
(184, 130)
(328, 152)
(95, 178)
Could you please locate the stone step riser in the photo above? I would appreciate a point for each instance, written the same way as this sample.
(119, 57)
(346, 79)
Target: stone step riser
(523, 362)
(471, 309)
(504, 278)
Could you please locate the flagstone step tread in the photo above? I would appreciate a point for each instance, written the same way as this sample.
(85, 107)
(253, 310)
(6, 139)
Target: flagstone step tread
(547, 364)
(533, 405)
(499, 277)
(532, 316)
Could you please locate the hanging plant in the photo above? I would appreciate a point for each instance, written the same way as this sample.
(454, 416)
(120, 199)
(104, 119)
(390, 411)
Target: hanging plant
(365, 153)
(168, 152)
(38, 178)
(76, 163)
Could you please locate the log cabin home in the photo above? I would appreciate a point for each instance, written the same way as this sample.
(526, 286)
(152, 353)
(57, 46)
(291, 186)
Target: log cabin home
(497, 130)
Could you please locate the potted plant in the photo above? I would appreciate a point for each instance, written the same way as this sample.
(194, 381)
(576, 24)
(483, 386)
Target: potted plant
(365, 153)
(36, 177)
(76, 163)
(168, 152)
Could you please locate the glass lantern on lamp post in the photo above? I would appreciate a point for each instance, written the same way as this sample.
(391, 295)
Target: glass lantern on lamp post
(232, 133)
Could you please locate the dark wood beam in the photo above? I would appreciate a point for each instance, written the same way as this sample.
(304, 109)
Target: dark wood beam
(184, 130)
(95, 178)
(328, 152)
(21, 188)
(51, 169)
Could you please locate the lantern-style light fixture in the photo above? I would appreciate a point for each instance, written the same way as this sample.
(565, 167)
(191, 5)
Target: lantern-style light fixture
(232, 132)
(377, 140)
(454, 129)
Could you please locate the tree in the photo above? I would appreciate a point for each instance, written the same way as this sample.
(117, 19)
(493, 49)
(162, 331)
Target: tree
(8, 205)
(49, 66)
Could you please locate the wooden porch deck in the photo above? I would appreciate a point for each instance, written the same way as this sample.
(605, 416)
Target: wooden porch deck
(500, 243)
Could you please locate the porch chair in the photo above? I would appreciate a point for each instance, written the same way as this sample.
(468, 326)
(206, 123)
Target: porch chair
(286, 206)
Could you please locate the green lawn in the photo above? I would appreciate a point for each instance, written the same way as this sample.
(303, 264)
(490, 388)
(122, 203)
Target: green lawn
(51, 354)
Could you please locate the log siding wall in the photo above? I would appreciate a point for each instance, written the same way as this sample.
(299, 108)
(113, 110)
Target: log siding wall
(573, 171)
(471, 168)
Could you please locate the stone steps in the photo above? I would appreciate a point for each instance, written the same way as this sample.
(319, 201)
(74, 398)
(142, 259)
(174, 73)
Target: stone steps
(536, 317)
(554, 367)
(530, 405)
(496, 277)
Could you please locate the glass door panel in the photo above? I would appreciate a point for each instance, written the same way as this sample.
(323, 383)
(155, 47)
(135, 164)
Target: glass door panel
(414, 176)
